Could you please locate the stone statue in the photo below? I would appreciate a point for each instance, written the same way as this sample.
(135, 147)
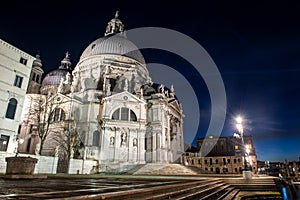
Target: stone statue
(123, 138)
(74, 84)
(108, 88)
(142, 92)
(112, 140)
(167, 93)
(134, 142)
(161, 89)
(60, 88)
(107, 70)
(37, 149)
(172, 94)
(68, 78)
(126, 85)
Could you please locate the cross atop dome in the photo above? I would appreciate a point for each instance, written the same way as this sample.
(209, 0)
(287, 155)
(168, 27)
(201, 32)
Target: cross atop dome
(114, 26)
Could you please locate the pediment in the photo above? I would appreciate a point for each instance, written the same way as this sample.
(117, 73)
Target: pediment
(124, 96)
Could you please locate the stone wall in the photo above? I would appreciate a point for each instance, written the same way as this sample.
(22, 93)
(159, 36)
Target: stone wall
(90, 166)
(3, 163)
(48, 164)
(45, 164)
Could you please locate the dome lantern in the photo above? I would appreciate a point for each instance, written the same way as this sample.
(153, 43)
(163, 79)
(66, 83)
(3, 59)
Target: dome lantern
(66, 63)
(114, 26)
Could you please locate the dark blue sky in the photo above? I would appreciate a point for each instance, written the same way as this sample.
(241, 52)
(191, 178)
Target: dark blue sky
(255, 46)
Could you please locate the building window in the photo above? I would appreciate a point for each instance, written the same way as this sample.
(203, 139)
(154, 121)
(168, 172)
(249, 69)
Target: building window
(210, 161)
(205, 161)
(28, 145)
(33, 77)
(217, 161)
(234, 160)
(224, 161)
(235, 169)
(4, 142)
(58, 115)
(132, 116)
(228, 161)
(236, 147)
(23, 61)
(18, 81)
(124, 114)
(96, 138)
(199, 162)
(116, 115)
(37, 79)
(211, 169)
(19, 129)
(206, 169)
(239, 160)
(11, 108)
(192, 162)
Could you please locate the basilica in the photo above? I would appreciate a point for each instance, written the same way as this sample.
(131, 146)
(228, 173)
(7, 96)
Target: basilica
(105, 110)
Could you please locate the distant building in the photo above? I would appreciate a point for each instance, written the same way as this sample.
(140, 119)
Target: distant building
(221, 155)
(287, 169)
(15, 67)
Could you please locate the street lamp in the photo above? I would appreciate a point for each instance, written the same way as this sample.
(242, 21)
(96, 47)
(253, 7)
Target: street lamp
(245, 148)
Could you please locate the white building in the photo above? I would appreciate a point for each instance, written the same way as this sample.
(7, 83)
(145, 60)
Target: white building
(15, 67)
(120, 117)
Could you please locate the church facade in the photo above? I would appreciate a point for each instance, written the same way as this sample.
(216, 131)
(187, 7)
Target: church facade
(106, 109)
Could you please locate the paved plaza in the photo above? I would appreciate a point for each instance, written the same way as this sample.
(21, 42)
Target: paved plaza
(128, 187)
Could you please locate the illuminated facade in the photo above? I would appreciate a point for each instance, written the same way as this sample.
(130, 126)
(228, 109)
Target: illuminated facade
(222, 155)
(122, 119)
(15, 67)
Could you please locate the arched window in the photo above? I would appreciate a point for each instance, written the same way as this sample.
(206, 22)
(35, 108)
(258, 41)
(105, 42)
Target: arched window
(96, 138)
(58, 115)
(37, 78)
(132, 116)
(11, 108)
(124, 114)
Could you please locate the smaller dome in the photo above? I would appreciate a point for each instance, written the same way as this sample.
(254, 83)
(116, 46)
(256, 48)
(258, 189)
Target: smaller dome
(54, 77)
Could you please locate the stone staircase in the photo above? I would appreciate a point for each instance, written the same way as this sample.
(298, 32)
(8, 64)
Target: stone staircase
(254, 184)
(164, 169)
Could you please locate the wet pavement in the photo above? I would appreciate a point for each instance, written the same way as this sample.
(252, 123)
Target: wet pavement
(71, 188)
(74, 187)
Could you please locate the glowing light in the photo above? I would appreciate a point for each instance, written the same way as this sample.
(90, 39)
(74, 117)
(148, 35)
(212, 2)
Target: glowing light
(21, 141)
(239, 119)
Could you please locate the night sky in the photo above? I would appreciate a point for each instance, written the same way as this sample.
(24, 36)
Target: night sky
(255, 45)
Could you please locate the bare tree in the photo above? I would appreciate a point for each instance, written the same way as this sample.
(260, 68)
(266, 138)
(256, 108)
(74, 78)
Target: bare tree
(69, 141)
(41, 114)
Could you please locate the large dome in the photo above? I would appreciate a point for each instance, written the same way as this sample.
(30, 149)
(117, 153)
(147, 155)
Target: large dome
(113, 44)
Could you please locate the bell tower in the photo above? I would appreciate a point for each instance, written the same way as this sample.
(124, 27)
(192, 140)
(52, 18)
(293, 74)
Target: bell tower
(35, 81)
